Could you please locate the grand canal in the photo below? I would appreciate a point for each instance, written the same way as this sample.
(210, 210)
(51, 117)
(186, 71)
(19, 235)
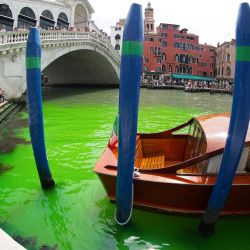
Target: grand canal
(77, 214)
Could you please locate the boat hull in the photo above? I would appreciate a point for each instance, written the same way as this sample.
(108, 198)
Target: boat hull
(170, 196)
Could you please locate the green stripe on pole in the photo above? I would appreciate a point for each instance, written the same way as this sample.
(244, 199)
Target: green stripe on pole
(243, 53)
(33, 62)
(131, 48)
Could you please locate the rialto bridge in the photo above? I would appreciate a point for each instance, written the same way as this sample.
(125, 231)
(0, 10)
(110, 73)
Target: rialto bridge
(68, 57)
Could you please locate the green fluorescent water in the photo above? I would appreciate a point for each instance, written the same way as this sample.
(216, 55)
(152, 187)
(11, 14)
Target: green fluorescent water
(77, 214)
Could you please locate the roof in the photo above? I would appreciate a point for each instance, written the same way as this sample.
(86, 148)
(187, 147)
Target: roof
(215, 127)
(193, 77)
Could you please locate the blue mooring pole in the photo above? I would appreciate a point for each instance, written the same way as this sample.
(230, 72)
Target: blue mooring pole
(33, 67)
(238, 124)
(130, 76)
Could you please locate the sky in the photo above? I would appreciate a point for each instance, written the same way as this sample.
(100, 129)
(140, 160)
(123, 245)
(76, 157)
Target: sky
(212, 20)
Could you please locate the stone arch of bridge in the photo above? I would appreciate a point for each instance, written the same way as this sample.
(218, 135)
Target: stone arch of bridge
(80, 66)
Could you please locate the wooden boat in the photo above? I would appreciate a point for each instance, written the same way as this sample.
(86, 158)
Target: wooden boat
(176, 169)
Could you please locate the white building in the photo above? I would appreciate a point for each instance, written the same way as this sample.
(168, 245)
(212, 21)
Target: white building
(46, 14)
(117, 35)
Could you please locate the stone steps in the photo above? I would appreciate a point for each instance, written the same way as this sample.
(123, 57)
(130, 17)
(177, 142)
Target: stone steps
(7, 111)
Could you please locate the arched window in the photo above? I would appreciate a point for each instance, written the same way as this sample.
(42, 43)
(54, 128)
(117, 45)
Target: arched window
(151, 27)
(228, 57)
(177, 69)
(177, 58)
(228, 71)
(26, 18)
(163, 68)
(222, 72)
(80, 17)
(147, 26)
(164, 56)
(191, 46)
(46, 20)
(62, 21)
(186, 59)
(117, 47)
(170, 68)
(6, 20)
(176, 45)
(117, 37)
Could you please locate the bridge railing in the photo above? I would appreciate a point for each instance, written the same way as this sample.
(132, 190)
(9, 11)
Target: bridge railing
(17, 37)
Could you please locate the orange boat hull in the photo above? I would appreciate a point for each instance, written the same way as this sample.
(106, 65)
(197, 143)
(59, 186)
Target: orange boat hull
(170, 192)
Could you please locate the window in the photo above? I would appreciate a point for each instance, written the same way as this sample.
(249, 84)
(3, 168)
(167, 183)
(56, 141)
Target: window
(62, 20)
(176, 45)
(228, 71)
(176, 69)
(218, 73)
(158, 51)
(190, 59)
(6, 17)
(163, 68)
(175, 27)
(146, 60)
(117, 47)
(159, 40)
(170, 68)
(177, 58)
(228, 58)
(164, 34)
(164, 26)
(164, 56)
(117, 37)
(119, 28)
(26, 18)
(46, 20)
(151, 50)
(158, 60)
(164, 44)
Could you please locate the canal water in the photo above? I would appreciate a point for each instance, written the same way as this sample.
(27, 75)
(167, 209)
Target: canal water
(77, 214)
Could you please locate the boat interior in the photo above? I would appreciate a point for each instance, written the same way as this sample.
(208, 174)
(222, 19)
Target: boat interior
(183, 150)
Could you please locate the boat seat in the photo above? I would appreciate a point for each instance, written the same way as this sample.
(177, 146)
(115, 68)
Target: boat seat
(148, 161)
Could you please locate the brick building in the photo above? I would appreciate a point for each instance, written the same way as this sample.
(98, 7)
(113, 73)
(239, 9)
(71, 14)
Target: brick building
(172, 51)
(225, 62)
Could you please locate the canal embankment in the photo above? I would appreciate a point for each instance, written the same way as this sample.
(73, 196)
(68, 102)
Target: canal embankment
(8, 111)
(7, 243)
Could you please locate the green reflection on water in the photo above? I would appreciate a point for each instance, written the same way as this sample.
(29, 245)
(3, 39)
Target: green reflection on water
(76, 214)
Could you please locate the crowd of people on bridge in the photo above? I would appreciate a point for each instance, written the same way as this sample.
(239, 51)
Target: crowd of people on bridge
(100, 33)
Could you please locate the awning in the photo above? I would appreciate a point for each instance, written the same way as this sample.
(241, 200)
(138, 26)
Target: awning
(192, 77)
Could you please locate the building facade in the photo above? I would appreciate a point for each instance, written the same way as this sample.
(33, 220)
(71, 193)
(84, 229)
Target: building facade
(117, 35)
(225, 62)
(172, 50)
(46, 14)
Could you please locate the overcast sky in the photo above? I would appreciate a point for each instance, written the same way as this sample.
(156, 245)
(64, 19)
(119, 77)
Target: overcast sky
(213, 20)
